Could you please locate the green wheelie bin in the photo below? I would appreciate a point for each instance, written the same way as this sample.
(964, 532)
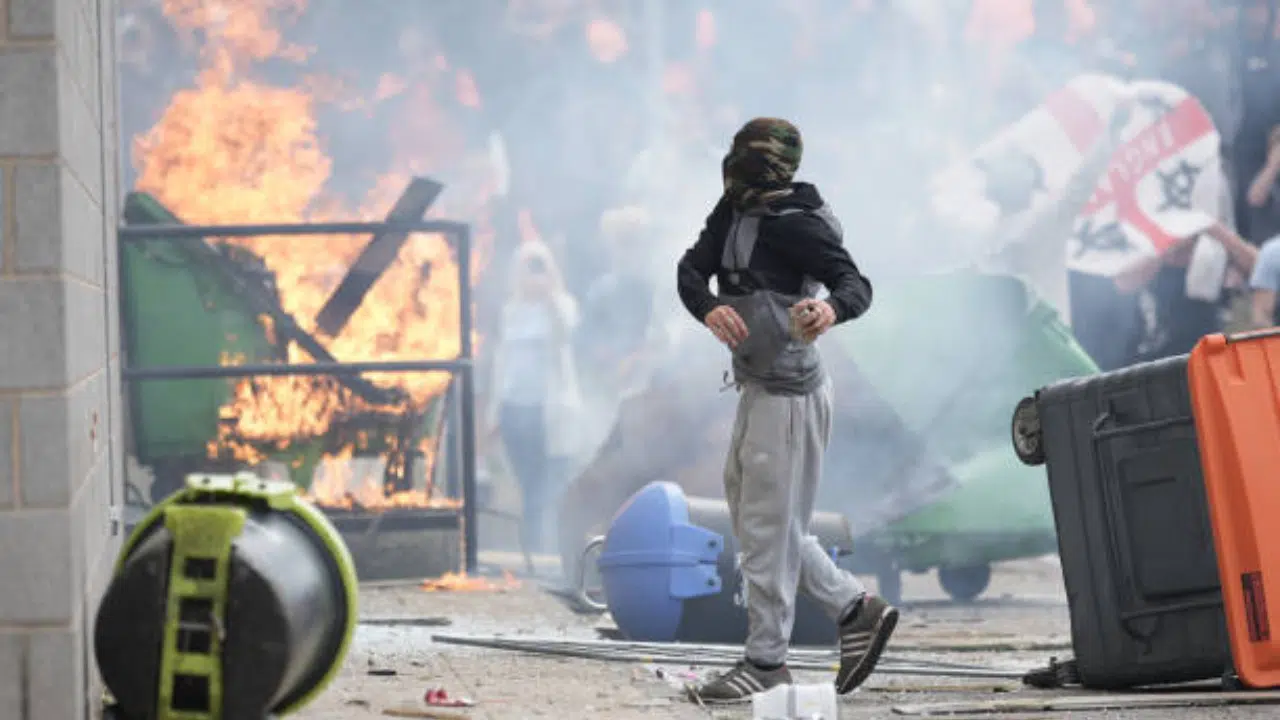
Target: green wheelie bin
(188, 302)
(951, 353)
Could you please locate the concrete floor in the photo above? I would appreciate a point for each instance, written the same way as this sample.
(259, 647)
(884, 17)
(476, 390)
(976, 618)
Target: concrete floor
(1024, 613)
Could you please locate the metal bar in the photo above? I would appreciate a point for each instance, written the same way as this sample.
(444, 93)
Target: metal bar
(466, 394)
(276, 370)
(453, 453)
(810, 655)
(134, 233)
(553, 648)
(728, 651)
(1253, 335)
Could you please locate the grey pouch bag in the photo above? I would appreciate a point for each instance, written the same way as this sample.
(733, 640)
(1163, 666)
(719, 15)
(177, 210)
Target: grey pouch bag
(768, 322)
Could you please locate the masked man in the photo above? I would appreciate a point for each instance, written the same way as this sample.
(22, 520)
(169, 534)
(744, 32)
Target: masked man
(770, 243)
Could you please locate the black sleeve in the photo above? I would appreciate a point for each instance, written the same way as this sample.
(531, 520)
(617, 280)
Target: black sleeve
(700, 262)
(817, 250)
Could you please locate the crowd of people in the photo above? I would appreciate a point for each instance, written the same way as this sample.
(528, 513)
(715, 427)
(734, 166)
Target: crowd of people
(1224, 54)
(606, 284)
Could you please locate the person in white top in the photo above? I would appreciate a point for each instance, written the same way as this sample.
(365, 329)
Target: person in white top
(534, 391)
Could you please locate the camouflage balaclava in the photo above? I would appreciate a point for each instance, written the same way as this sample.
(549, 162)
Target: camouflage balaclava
(762, 162)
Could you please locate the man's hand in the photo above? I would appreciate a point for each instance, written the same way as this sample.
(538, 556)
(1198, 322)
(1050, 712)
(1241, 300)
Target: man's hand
(812, 318)
(727, 325)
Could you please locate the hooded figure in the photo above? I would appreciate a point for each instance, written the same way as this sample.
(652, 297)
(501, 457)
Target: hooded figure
(772, 243)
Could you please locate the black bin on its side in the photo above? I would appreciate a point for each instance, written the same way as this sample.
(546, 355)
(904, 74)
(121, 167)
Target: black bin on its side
(1134, 534)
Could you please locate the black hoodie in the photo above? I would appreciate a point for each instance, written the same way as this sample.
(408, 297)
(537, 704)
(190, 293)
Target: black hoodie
(798, 239)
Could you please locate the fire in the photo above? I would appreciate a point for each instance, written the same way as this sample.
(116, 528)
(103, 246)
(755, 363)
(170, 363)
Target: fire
(344, 481)
(234, 150)
(461, 582)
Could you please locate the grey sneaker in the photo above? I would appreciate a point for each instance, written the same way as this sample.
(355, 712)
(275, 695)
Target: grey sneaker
(863, 636)
(739, 684)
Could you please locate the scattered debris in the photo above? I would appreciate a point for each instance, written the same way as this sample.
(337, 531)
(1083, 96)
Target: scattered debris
(1094, 702)
(676, 679)
(420, 713)
(438, 697)
(428, 621)
(648, 704)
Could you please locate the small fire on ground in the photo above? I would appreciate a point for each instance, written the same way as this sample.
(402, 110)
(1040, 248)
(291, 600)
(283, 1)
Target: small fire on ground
(461, 582)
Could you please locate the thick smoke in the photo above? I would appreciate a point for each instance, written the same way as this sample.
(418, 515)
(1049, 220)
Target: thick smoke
(569, 109)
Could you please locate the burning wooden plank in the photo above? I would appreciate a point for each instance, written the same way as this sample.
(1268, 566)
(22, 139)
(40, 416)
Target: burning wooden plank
(258, 288)
(376, 257)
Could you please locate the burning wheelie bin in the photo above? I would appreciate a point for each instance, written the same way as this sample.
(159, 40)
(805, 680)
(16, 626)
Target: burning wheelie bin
(193, 303)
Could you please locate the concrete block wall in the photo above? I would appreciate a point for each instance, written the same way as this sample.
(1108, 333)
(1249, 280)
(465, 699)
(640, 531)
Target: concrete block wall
(60, 407)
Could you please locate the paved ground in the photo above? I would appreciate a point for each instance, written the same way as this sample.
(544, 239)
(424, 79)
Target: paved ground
(1022, 621)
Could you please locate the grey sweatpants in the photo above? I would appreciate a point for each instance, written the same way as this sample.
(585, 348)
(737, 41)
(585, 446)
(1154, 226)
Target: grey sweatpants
(770, 482)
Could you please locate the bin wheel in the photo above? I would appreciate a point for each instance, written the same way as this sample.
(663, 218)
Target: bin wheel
(1231, 682)
(1028, 438)
(964, 584)
(889, 584)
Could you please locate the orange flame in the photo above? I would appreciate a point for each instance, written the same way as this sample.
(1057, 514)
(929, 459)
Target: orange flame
(229, 150)
(461, 582)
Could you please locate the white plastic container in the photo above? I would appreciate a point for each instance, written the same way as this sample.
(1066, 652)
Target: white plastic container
(796, 702)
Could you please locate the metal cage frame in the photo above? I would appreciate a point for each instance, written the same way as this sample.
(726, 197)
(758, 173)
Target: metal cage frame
(461, 369)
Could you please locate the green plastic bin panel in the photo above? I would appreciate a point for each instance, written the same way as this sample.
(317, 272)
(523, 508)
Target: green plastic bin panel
(954, 353)
(1000, 510)
(178, 311)
(995, 493)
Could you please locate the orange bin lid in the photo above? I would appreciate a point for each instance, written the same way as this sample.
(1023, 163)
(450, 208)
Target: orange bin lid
(1235, 395)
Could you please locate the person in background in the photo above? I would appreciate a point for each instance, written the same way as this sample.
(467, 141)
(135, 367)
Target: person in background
(1264, 286)
(534, 392)
(1258, 58)
(1263, 194)
(1180, 320)
(619, 303)
(1200, 58)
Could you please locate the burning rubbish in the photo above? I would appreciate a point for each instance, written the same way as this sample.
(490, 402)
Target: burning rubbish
(224, 304)
(237, 148)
